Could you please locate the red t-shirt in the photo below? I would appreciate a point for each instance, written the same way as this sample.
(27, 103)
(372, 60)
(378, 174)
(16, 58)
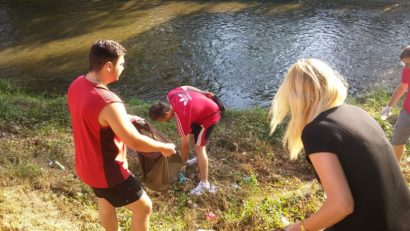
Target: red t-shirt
(100, 156)
(192, 107)
(405, 78)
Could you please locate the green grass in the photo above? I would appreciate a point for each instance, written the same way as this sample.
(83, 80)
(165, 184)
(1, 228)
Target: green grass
(373, 102)
(258, 187)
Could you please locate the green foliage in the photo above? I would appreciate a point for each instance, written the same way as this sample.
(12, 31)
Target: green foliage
(269, 208)
(138, 102)
(32, 110)
(249, 124)
(28, 171)
(252, 123)
(373, 102)
(5, 87)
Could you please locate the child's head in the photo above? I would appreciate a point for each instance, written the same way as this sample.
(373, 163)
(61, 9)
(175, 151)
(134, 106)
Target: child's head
(309, 88)
(405, 56)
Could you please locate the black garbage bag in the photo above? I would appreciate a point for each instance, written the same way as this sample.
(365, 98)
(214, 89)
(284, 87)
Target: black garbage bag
(158, 172)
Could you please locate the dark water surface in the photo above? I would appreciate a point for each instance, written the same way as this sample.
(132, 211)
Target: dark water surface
(239, 50)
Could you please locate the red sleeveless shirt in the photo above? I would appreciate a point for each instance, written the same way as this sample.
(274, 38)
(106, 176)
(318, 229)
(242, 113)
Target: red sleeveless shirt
(100, 156)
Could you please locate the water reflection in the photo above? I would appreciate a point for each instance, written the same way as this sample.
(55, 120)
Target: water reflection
(238, 49)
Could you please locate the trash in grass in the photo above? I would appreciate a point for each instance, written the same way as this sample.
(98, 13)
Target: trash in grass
(250, 180)
(181, 178)
(285, 221)
(55, 164)
(192, 161)
(246, 179)
(192, 205)
(210, 216)
(234, 186)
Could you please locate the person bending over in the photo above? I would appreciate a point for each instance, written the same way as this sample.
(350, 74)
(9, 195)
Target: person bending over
(196, 115)
(348, 150)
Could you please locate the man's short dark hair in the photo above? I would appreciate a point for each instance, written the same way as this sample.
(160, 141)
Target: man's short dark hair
(158, 110)
(405, 53)
(103, 51)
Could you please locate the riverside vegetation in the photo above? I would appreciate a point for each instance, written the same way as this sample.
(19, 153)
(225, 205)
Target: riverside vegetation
(258, 187)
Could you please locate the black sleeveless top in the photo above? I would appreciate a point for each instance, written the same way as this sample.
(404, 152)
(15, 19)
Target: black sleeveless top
(381, 195)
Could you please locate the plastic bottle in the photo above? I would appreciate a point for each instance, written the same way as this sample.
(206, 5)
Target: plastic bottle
(54, 163)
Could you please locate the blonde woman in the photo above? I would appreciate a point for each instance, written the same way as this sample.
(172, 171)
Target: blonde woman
(348, 150)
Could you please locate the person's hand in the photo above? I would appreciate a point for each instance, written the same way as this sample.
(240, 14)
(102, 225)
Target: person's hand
(168, 150)
(137, 119)
(209, 94)
(385, 113)
(293, 227)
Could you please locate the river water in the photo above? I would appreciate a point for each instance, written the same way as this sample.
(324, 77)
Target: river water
(239, 50)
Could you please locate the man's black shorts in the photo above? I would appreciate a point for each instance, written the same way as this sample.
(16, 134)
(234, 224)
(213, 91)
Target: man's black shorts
(201, 134)
(123, 194)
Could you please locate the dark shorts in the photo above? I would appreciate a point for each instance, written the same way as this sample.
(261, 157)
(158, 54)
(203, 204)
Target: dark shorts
(123, 194)
(201, 134)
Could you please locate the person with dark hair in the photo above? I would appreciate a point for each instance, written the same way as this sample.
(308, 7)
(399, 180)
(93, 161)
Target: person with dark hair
(102, 129)
(196, 115)
(401, 131)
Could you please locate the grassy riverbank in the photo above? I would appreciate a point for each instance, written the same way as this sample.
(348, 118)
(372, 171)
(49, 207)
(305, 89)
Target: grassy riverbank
(258, 186)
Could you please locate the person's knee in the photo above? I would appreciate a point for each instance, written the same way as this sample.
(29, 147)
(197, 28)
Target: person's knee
(105, 208)
(145, 207)
(142, 207)
(200, 150)
(108, 218)
(148, 206)
(107, 212)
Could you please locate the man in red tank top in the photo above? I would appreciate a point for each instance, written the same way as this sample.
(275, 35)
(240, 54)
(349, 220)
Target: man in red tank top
(102, 129)
(195, 114)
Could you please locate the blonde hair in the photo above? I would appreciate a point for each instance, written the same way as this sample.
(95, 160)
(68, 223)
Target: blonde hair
(309, 88)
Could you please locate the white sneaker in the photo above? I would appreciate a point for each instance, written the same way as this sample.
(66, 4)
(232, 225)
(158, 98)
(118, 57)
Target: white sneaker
(192, 161)
(203, 187)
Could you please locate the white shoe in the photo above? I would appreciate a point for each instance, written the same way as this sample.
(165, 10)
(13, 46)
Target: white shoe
(192, 161)
(203, 187)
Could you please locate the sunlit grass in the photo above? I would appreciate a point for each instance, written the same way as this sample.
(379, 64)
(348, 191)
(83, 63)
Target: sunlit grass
(258, 188)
